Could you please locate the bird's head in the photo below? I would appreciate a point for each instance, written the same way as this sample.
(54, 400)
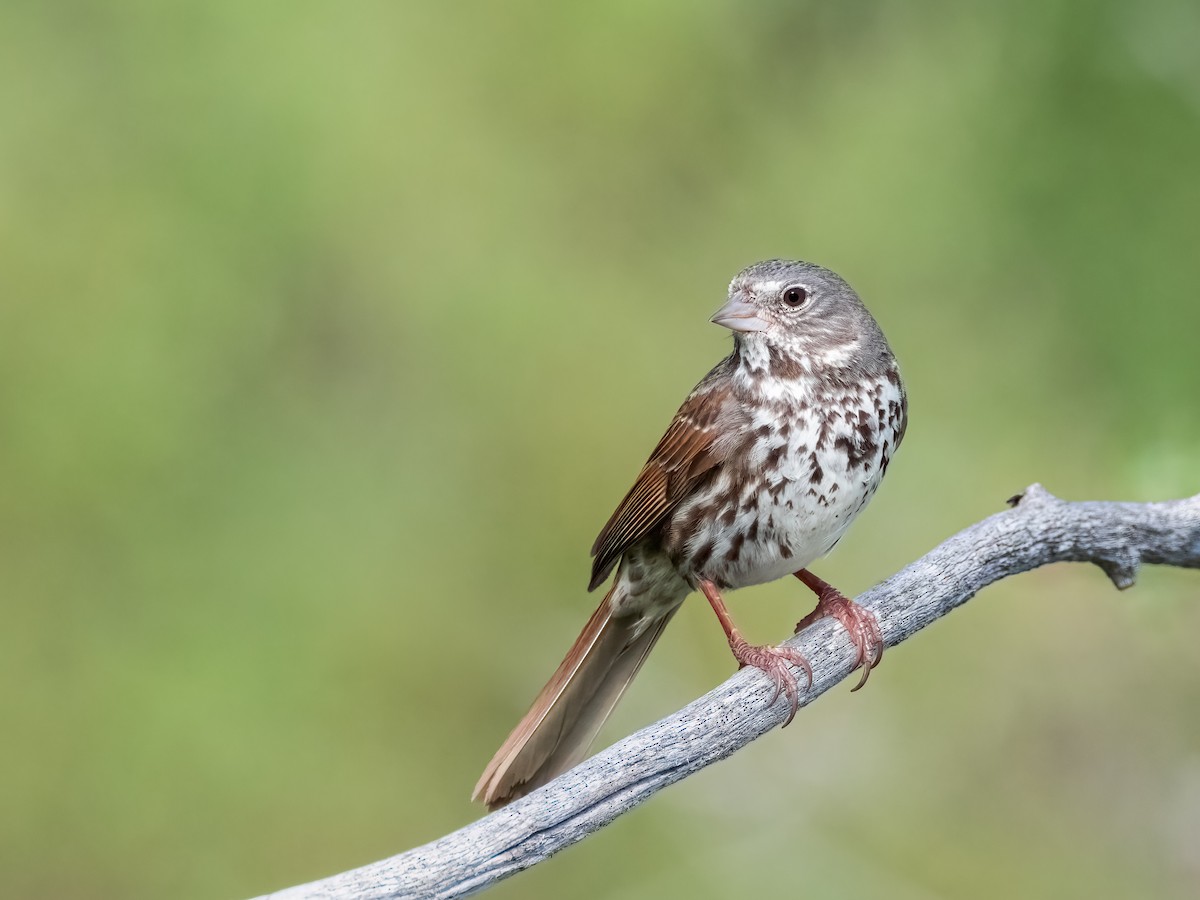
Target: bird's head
(799, 308)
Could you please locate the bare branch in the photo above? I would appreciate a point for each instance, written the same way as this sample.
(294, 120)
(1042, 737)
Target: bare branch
(1039, 529)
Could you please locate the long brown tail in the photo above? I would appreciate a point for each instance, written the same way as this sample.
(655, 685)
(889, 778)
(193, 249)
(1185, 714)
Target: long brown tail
(562, 723)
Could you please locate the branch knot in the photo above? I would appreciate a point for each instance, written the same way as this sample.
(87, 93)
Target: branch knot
(1034, 495)
(1121, 567)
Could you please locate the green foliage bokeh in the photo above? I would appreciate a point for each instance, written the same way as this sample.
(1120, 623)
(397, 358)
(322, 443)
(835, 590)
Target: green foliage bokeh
(331, 333)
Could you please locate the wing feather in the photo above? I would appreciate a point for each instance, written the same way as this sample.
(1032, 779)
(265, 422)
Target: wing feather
(689, 449)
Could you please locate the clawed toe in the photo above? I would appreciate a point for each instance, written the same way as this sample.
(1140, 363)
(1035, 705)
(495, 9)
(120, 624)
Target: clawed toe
(859, 622)
(867, 638)
(773, 662)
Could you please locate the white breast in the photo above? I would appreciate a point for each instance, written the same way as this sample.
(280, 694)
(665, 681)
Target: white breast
(810, 469)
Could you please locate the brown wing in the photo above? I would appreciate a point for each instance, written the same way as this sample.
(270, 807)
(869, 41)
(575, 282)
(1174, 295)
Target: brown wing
(690, 448)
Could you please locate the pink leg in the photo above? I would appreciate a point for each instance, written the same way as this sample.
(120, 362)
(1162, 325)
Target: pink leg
(861, 623)
(772, 661)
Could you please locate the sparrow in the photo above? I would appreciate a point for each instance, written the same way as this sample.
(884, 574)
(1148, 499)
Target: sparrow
(763, 469)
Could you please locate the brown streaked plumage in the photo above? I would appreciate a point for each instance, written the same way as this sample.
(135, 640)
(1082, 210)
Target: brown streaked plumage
(762, 470)
(686, 452)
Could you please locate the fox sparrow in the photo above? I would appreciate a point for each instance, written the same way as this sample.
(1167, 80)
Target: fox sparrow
(762, 470)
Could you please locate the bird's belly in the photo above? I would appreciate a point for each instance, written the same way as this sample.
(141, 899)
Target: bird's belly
(786, 506)
(797, 525)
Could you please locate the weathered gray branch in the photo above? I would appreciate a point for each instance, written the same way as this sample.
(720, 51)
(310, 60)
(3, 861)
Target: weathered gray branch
(1039, 529)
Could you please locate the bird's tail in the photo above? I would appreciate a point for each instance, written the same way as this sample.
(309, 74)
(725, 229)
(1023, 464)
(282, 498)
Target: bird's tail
(564, 719)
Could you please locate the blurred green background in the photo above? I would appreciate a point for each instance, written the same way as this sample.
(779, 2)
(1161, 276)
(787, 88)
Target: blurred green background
(330, 334)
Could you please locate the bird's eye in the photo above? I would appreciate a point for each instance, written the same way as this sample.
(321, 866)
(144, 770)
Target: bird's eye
(795, 296)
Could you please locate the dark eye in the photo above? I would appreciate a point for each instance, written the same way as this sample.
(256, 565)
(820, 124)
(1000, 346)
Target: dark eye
(795, 296)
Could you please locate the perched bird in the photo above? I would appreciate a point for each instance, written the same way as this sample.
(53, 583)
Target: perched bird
(761, 471)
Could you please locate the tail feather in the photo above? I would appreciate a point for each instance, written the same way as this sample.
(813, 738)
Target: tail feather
(567, 715)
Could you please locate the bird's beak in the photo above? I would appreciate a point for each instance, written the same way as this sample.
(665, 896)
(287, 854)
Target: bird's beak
(738, 315)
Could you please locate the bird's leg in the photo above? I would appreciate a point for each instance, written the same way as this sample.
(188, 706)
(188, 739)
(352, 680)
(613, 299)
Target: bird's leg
(771, 661)
(861, 623)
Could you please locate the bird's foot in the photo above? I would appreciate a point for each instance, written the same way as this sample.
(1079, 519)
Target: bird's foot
(861, 623)
(773, 662)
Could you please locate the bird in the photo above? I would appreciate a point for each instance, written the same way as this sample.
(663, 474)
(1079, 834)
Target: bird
(762, 470)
